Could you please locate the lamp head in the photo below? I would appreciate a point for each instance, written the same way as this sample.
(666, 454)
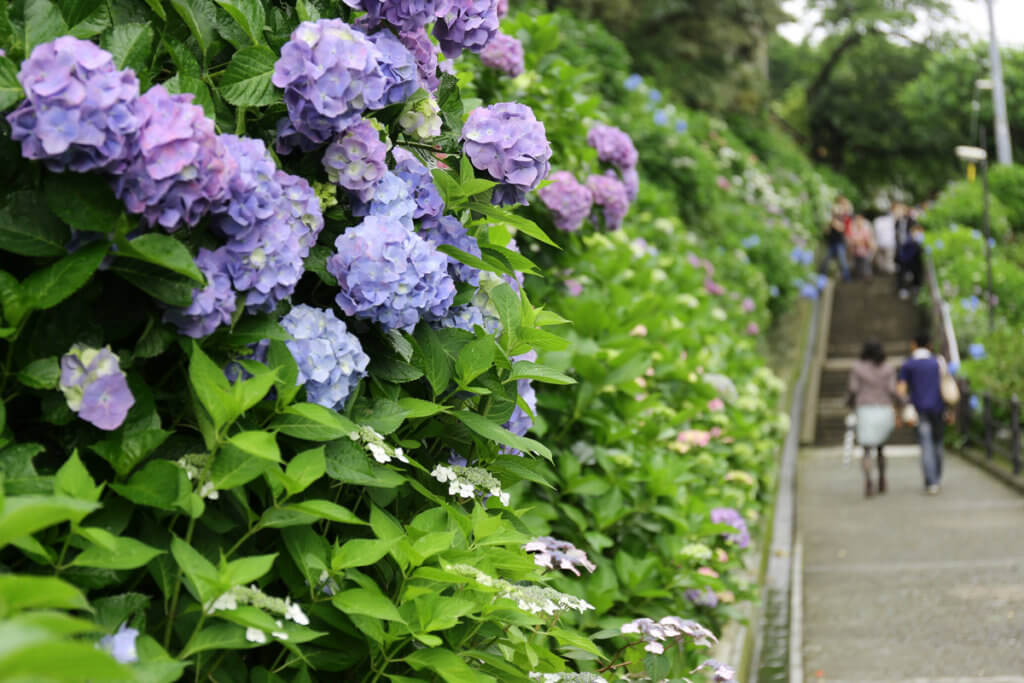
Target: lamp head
(971, 154)
(983, 84)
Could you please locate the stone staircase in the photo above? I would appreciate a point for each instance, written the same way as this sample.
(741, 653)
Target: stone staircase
(862, 311)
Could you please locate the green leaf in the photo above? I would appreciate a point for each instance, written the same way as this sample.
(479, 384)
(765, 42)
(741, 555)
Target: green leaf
(59, 660)
(163, 251)
(201, 573)
(48, 287)
(249, 15)
(495, 432)
(432, 359)
(360, 552)
(258, 444)
(24, 515)
(160, 484)
(541, 373)
(83, 201)
(218, 636)
(325, 509)
(114, 610)
(172, 289)
(41, 374)
(312, 422)
(504, 216)
(73, 480)
(467, 258)
(510, 309)
(212, 389)
(415, 407)
(304, 469)
(86, 18)
(348, 463)
(19, 592)
(233, 467)
(127, 448)
(28, 228)
(246, 81)
(158, 8)
(12, 298)
(367, 603)
(199, 16)
(43, 23)
(446, 664)
(245, 570)
(10, 89)
(474, 359)
(577, 640)
(385, 416)
(183, 83)
(128, 553)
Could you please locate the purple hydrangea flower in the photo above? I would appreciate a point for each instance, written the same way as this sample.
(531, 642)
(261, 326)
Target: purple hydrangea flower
(702, 598)
(502, 9)
(356, 160)
(79, 111)
(631, 179)
(405, 15)
(734, 519)
(567, 199)
(180, 169)
(392, 198)
(390, 275)
(611, 195)
(121, 645)
(420, 182)
(554, 553)
(467, 317)
(521, 421)
(508, 142)
(505, 54)
(467, 25)
(253, 194)
(425, 53)
(257, 351)
(94, 386)
(449, 230)
(720, 673)
(212, 305)
(613, 146)
(330, 358)
(301, 209)
(330, 74)
(400, 68)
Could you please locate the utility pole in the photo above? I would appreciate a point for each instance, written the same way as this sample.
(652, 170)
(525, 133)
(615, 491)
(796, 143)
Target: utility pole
(1004, 152)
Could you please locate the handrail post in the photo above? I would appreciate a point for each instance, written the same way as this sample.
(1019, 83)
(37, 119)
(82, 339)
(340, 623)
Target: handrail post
(1015, 431)
(987, 411)
(964, 419)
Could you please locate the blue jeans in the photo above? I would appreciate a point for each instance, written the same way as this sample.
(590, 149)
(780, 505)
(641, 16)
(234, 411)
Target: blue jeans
(930, 427)
(837, 251)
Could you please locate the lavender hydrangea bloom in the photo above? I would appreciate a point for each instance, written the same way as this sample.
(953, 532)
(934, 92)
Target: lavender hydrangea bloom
(631, 179)
(508, 142)
(420, 182)
(392, 198)
(390, 275)
(180, 169)
(734, 519)
(213, 305)
(448, 230)
(613, 146)
(78, 113)
(425, 53)
(521, 421)
(502, 9)
(301, 209)
(330, 74)
(611, 195)
(702, 598)
(94, 386)
(554, 553)
(467, 25)
(356, 160)
(253, 194)
(330, 358)
(505, 54)
(399, 66)
(467, 317)
(405, 15)
(121, 645)
(567, 199)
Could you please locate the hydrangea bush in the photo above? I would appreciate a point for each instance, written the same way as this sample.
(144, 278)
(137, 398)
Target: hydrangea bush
(320, 414)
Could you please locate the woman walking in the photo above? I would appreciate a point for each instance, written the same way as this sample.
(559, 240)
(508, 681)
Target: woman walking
(874, 396)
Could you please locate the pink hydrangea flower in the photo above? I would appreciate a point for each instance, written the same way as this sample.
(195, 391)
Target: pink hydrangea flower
(713, 287)
(716, 405)
(748, 305)
(722, 182)
(574, 287)
(753, 328)
(638, 331)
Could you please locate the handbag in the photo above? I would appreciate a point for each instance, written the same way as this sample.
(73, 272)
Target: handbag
(909, 415)
(947, 385)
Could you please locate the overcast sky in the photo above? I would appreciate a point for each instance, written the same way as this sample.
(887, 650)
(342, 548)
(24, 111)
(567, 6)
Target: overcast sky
(971, 17)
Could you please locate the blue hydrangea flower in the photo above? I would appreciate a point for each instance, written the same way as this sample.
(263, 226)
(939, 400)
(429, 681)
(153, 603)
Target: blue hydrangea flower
(330, 358)
(633, 81)
(569, 201)
(79, 111)
(661, 117)
(399, 66)
(94, 386)
(975, 403)
(731, 517)
(467, 25)
(751, 241)
(253, 194)
(213, 305)
(390, 275)
(505, 54)
(425, 53)
(180, 168)
(654, 95)
(682, 126)
(392, 198)
(808, 290)
(330, 74)
(773, 291)
(971, 303)
(121, 645)
(420, 182)
(822, 281)
(448, 230)
(976, 350)
(508, 142)
(356, 160)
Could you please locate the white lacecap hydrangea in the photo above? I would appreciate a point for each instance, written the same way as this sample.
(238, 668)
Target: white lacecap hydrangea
(532, 599)
(376, 446)
(251, 595)
(571, 677)
(655, 633)
(468, 482)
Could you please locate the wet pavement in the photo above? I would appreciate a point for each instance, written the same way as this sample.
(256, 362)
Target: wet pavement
(908, 587)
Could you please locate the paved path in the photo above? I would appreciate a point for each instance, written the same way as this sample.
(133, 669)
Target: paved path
(906, 587)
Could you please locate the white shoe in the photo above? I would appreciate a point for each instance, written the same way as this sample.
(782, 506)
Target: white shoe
(932, 490)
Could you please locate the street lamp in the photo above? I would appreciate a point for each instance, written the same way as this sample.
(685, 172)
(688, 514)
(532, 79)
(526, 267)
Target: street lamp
(978, 155)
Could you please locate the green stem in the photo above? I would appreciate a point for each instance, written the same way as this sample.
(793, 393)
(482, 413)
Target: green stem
(172, 612)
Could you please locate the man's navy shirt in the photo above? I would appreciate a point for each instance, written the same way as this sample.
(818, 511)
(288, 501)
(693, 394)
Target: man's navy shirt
(922, 377)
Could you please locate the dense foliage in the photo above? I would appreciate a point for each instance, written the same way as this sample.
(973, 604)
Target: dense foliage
(273, 339)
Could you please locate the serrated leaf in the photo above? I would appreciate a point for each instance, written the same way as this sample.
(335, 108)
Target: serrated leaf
(10, 89)
(249, 15)
(541, 373)
(495, 432)
(28, 228)
(313, 422)
(83, 201)
(131, 44)
(41, 374)
(183, 83)
(258, 444)
(199, 16)
(367, 603)
(161, 284)
(43, 23)
(163, 251)
(246, 81)
(48, 287)
(86, 18)
(128, 553)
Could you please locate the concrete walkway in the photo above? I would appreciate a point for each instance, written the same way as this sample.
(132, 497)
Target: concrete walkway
(907, 587)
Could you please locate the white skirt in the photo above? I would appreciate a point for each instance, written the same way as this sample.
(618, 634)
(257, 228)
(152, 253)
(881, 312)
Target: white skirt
(875, 424)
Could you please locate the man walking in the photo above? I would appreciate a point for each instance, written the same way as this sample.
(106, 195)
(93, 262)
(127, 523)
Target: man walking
(835, 237)
(919, 382)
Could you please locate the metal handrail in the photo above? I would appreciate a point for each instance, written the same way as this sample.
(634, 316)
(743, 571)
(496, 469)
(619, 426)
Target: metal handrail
(949, 346)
